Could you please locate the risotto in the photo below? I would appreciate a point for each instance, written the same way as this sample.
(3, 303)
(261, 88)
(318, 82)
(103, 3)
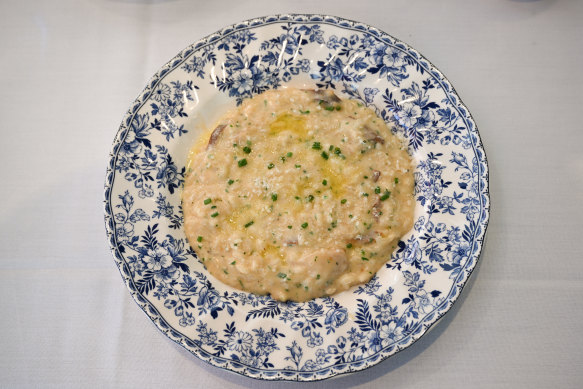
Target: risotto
(297, 194)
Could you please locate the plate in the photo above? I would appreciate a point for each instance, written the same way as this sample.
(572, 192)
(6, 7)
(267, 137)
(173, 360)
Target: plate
(254, 335)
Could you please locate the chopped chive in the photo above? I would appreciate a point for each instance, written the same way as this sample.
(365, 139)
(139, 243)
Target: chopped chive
(329, 108)
(249, 224)
(247, 149)
(385, 195)
(307, 111)
(242, 162)
(290, 227)
(270, 166)
(317, 276)
(343, 201)
(324, 155)
(317, 146)
(213, 207)
(230, 182)
(215, 214)
(337, 151)
(364, 258)
(365, 194)
(377, 190)
(331, 148)
(207, 201)
(289, 154)
(282, 275)
(199, 239)
(365, 177)
(310, 198)
(396, 180)
(338, 108)
(304, 225)
(225, 271)
(349, 246)
(274, 196)
(234, 262)
(324, 182)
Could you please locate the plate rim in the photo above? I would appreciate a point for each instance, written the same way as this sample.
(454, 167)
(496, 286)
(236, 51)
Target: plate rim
(295, 375)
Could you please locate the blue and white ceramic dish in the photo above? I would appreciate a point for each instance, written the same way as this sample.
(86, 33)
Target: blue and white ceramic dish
(255, 335)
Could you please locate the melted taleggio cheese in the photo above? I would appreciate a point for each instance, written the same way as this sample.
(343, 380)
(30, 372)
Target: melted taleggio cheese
(297, 194)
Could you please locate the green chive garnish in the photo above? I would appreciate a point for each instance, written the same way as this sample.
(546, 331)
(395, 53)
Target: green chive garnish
(385, 195)
(207, 201)
(242, 162)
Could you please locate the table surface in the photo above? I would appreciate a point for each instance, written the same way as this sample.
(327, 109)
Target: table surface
(70, 70)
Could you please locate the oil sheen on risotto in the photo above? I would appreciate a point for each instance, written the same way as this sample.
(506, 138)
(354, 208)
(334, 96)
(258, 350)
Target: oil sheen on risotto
(297, 194)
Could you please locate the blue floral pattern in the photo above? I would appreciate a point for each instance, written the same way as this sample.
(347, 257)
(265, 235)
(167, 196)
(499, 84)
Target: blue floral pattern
(255, 335)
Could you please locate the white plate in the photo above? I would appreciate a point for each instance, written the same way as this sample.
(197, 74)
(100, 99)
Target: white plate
(255, 335)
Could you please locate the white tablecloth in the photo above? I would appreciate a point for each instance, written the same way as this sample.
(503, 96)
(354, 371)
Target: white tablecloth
(69, 71)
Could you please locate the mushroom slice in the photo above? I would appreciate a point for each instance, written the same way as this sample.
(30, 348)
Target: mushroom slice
(375, 175)
(216, 134)
(324, 96)
(376, 210)
(372, 135)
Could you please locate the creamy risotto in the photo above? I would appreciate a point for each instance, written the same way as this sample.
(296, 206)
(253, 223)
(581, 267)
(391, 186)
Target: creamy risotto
(297, 194)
